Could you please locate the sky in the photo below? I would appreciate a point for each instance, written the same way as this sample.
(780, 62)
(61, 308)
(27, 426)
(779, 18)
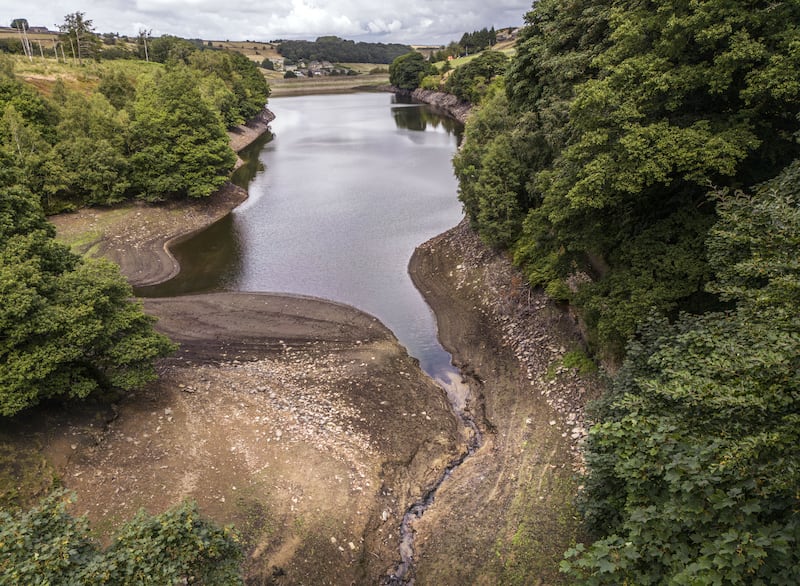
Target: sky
(387, 21)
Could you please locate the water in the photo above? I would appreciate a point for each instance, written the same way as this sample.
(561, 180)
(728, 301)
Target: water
(340, 196)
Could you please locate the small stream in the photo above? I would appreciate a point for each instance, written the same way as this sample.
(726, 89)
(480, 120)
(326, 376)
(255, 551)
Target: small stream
(403, 574)
(340, 195)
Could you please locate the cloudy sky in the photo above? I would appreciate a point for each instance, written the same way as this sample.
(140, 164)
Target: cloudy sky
(406, 21)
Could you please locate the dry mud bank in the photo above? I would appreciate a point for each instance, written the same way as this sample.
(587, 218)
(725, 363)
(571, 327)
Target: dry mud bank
(302, 422)
(506, 515)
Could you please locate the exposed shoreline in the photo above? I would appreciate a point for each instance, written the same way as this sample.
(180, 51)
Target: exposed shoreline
(251, 370)
(279, 412)
(138, 236)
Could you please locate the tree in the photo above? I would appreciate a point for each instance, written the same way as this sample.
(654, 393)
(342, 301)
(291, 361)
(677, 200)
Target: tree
(68, 327)
(626, 114)
(407, 71)
(268, 64)
(46, 545)
(79, 33)
(117, 89)
(694, 462)
(180, 147)
(470, 81)
(90, 154)
(20, 24)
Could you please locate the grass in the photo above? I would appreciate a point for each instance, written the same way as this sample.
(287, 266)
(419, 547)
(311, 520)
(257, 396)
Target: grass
(574, 359)
(42, 74)
(25, 475)
(545, 522)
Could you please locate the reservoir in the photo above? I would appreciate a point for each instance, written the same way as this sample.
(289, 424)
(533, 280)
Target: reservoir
(339, 196)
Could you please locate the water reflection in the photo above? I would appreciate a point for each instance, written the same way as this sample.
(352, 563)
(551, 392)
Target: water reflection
(253, 165)
(209, 261)
(414, 117)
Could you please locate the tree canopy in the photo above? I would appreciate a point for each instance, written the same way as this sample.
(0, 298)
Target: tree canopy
(46, 545)
(622, 117)
(407, 71)
(470, 81)
(641, 162)
(694, 469)
(68, 327)
(179, 143)
(152, 135)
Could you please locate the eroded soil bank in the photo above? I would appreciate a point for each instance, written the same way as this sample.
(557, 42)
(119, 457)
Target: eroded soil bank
(506, 515)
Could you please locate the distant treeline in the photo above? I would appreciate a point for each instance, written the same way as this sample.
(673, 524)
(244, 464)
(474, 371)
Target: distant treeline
(339, 50)
(470, 43)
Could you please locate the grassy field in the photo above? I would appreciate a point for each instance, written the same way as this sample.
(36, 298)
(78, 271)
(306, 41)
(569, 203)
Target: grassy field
(328, 85)
(43, 73)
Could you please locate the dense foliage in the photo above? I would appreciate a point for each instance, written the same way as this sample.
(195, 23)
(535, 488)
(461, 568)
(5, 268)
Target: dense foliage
(478, 40)
(621, 116)
(338, 50)
(68, 327)
(694, 466)
(178, 142)
(407, 71)
(471, 81)
(46, 545)
(593, 165)
(154, 136)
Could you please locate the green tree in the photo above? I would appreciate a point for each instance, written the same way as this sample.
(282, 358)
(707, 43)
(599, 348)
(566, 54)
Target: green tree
(407, 71)
(89, 159)
(78, 33)
(169, 48)
(471, 81)
(179, 143)
(117, 88)
(68, 327)
(46, 545)
(622, 115)
(694, 464)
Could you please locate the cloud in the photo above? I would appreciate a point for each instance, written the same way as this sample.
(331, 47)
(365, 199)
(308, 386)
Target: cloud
(408, 21)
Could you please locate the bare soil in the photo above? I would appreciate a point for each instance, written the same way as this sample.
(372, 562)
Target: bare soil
(507, 515)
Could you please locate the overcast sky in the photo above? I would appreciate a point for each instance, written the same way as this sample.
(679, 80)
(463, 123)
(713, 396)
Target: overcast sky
(404, 21)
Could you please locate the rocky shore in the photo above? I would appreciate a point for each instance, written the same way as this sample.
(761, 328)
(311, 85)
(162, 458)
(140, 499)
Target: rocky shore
(447, 103)
(507, 514)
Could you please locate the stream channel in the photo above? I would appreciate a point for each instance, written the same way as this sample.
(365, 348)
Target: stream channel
(340, 194)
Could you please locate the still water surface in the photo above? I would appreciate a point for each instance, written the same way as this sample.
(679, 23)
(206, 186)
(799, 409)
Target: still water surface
(340, 196)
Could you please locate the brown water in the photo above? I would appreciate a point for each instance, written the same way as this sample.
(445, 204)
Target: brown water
(340, 195)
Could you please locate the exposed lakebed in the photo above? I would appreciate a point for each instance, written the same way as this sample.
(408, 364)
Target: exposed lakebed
(266, 414)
